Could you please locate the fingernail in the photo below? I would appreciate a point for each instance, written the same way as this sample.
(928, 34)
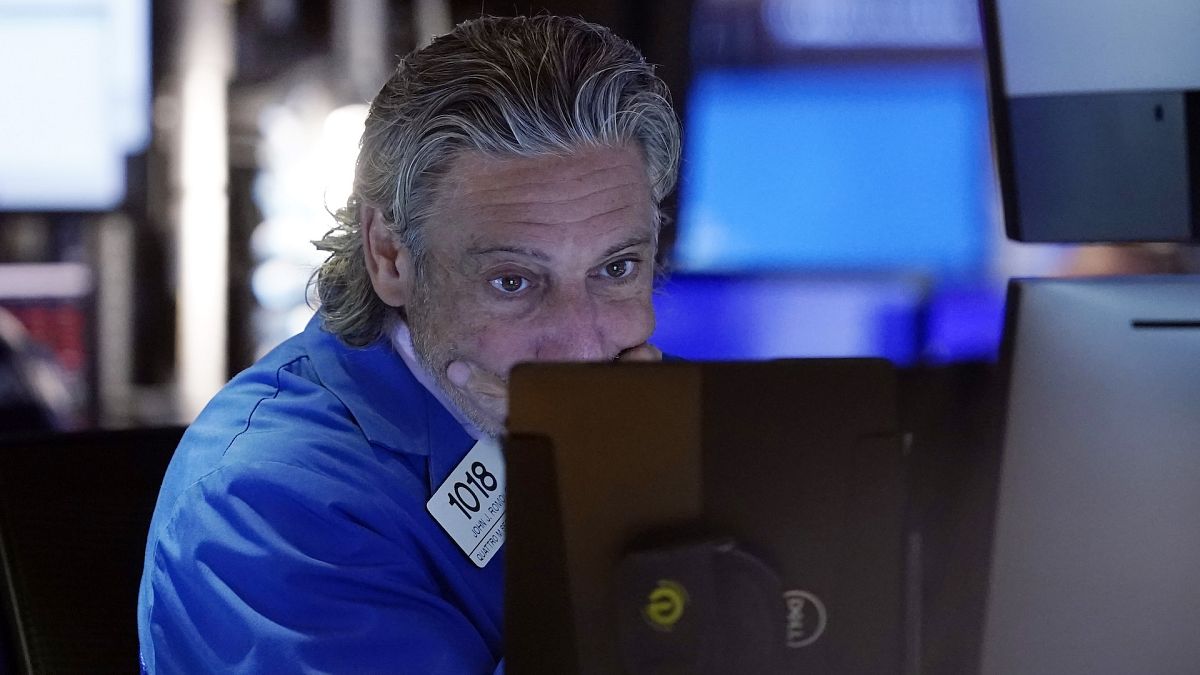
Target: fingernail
(458, 373)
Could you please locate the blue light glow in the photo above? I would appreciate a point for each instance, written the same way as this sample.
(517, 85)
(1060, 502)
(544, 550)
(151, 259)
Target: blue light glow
(845, 166)
(787, 316)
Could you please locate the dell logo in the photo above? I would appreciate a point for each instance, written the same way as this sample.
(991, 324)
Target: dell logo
(806, 618)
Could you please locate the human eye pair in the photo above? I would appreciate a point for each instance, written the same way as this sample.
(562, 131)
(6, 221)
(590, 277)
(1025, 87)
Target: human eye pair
(513, 284)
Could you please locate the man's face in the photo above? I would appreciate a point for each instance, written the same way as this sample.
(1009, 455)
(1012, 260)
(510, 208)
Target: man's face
(535, 259)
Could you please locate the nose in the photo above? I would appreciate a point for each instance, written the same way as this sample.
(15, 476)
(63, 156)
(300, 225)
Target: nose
(571, 329)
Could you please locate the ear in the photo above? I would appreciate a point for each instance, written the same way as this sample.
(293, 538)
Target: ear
(389, 263)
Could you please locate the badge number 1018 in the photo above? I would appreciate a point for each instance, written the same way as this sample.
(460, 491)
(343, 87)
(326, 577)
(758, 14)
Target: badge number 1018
(463, 496)
(470, 503)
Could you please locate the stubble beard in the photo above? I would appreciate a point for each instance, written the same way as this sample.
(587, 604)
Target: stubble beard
(435, 350)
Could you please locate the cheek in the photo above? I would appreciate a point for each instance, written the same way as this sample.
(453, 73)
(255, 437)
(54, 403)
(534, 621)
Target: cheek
(498, 341)
(491, 336)
(627, 324)
(500, 345)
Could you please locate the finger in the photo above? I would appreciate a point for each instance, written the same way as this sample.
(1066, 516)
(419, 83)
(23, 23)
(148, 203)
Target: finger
(467, 375)
(642, 352)
(481, 386)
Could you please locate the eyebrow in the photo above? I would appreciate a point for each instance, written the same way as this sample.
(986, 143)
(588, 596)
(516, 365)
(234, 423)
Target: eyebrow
(527, 252)
(631, 242)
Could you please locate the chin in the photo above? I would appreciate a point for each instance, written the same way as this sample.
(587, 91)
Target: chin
(485, 424)
(478, 418)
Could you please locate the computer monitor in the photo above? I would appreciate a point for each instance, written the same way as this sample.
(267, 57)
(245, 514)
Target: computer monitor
(705, 518)
(1096, 549)
(1096, 112)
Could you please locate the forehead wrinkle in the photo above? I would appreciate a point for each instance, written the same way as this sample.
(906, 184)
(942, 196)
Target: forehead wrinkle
(540, 240)
(525, 178)
(535, 200)
(519, 202)
(483, 175)
(527, 238)
(499, 217)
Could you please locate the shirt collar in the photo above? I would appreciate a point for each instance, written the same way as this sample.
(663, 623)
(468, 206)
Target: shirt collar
(390, 405)
(401, 339)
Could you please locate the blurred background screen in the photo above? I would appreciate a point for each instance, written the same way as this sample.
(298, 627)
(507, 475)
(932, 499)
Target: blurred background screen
(716, 317)
(842, 166)
(837, 161)
(76, 81)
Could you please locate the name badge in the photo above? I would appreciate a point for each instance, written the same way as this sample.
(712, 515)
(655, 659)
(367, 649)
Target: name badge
(470, 504)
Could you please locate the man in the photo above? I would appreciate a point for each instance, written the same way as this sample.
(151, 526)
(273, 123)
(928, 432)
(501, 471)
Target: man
(505, 210)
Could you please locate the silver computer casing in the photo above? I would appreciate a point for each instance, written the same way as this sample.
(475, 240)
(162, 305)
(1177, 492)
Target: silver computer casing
(1096, 552)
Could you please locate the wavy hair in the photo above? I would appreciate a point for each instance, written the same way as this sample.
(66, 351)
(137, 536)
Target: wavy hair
(507, 87)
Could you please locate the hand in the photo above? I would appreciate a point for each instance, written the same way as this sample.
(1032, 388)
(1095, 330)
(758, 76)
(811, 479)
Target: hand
(488, 393)
(485, 391)
(642, 352)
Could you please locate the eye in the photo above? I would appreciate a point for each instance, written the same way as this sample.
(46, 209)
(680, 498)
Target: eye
(510, 284)
(619, 269)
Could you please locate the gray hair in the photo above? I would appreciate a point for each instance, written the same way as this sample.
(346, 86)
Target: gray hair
(507, 87)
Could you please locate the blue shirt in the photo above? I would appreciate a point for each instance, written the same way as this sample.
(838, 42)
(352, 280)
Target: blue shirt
(291, 533)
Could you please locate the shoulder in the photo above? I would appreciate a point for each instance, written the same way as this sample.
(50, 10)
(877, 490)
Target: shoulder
(282, 411)
(277, 438)
(283, 511)
(294, 509)
(258, 558)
